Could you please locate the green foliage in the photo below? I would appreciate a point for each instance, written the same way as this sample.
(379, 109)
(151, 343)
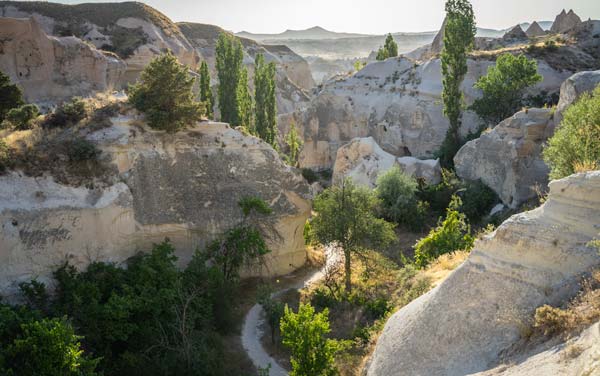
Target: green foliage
(68, 113)
(4, 156)
(459, 36)
(503, 87)
(477, 200)
(294, 144)
(346, 215)
(273, 308)
(310, 175)
(81, 149)
(164, 94)
(244, 115)
(358, 65)
(439, 196)
(266, 104)
(206, 95)
(305, 334)
(397, 192)
(21, 117)
(11, 96)
(389, 49)
(452, 234)
(256, 204)
(230, 58)
(575, 146)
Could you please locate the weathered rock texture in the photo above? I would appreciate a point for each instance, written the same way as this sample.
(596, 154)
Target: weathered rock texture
(397, 102)
(185, 186)
(534, 258)
(535, 30)
(133, 30)
(364, 161)
(565, 22)
(516, 33)
(508, 158)
(50, 68)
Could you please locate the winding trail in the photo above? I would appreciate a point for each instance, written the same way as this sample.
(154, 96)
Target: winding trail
(254, 321)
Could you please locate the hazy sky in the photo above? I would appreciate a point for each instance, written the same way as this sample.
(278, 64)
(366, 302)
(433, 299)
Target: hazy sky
(361, 16)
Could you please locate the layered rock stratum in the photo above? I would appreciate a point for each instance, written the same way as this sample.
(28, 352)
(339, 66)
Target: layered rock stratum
(185, 186)
(51, 69)
(534, 258)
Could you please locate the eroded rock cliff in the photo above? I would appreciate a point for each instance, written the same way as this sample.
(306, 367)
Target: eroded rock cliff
(185, 186)
(534, 258)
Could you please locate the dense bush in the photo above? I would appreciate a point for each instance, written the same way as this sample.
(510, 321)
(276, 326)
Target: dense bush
(164, 94)
(477, 200)
(575, 145)
(452, 234)
(68, 113)
(4, 156)
(310, 175)
(439, 196)
(503, 87)
(398, 194)
(20, 118)
(10, 96)
(81, 149)
(389, 49)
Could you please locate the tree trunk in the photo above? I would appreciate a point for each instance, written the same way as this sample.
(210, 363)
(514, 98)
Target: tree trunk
(348, 270)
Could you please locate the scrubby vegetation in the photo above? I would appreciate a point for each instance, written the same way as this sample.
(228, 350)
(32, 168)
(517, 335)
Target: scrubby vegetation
(20, 118)
(66, 114)
(11, 96)
(575, 146)
(166, 107)
(389, 49)
(503, 87)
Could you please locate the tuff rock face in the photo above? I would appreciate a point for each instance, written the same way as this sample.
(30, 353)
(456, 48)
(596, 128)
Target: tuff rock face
(565, 22)
(508, 158)
(364, 161)
(396, 101)
(184, 186)
(516, 33)
(534, 258)
(535, 30)
(51, 69)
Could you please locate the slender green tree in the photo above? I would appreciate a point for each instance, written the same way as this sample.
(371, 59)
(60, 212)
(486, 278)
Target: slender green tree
(10, 96)
(266, 104)
(229, 70)
(391, 46)
(459, 36)
(206, 95)
(244, 105)
(164, 94)
(294, 144)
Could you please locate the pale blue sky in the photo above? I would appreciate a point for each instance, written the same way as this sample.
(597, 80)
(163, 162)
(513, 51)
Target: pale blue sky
(364, 16)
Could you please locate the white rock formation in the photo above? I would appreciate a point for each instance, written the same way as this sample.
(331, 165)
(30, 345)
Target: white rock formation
(508, 158)
(185, 186)
(364, 161)
(397, 102)
(565, 22)
(535, 30)
(534, 258)
(516, 33)
(573, 87)
(51, 69)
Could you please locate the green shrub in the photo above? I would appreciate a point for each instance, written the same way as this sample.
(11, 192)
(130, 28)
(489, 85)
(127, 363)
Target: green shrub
(439, 196)
(68, 113)
(477, 200)
(164, 94)
(4, 156)
(452, 234)
(398, 194)
(10, 96)
(310, 175)
(503, 87)
(575, 146)
(81, 149)
(21, 117)
(256, 204)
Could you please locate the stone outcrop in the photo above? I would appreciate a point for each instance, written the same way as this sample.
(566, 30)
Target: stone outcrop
(51, 69)
(514, 34)
(535, 30)
(508, 158)
(565, 22)
(185, 186)
(133, 30)
(397, 102)
(533, 258)
(364, 161)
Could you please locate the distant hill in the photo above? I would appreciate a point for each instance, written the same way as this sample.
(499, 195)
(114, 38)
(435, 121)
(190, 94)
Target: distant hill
(313, 33)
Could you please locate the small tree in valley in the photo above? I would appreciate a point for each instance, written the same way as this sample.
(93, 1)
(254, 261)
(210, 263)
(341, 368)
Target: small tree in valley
(389, 49)
(164, 94)
(346, 217)
(294, 144)
(206, 95)
(10, 96)
(229, 58)
(266, 104)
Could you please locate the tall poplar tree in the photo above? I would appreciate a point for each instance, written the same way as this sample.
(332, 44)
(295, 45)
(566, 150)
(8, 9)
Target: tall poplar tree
(229, 70)
(206, 95)
(244, 101)
(459, 36)
(265, 100)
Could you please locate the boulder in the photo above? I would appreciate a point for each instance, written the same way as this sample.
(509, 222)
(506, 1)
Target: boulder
(508, 158)
(572, 89)
(364, 161)
(184, 186)
(51, 69)
(535, 30)
(534, 258)
(565, 22)
(516, 33)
